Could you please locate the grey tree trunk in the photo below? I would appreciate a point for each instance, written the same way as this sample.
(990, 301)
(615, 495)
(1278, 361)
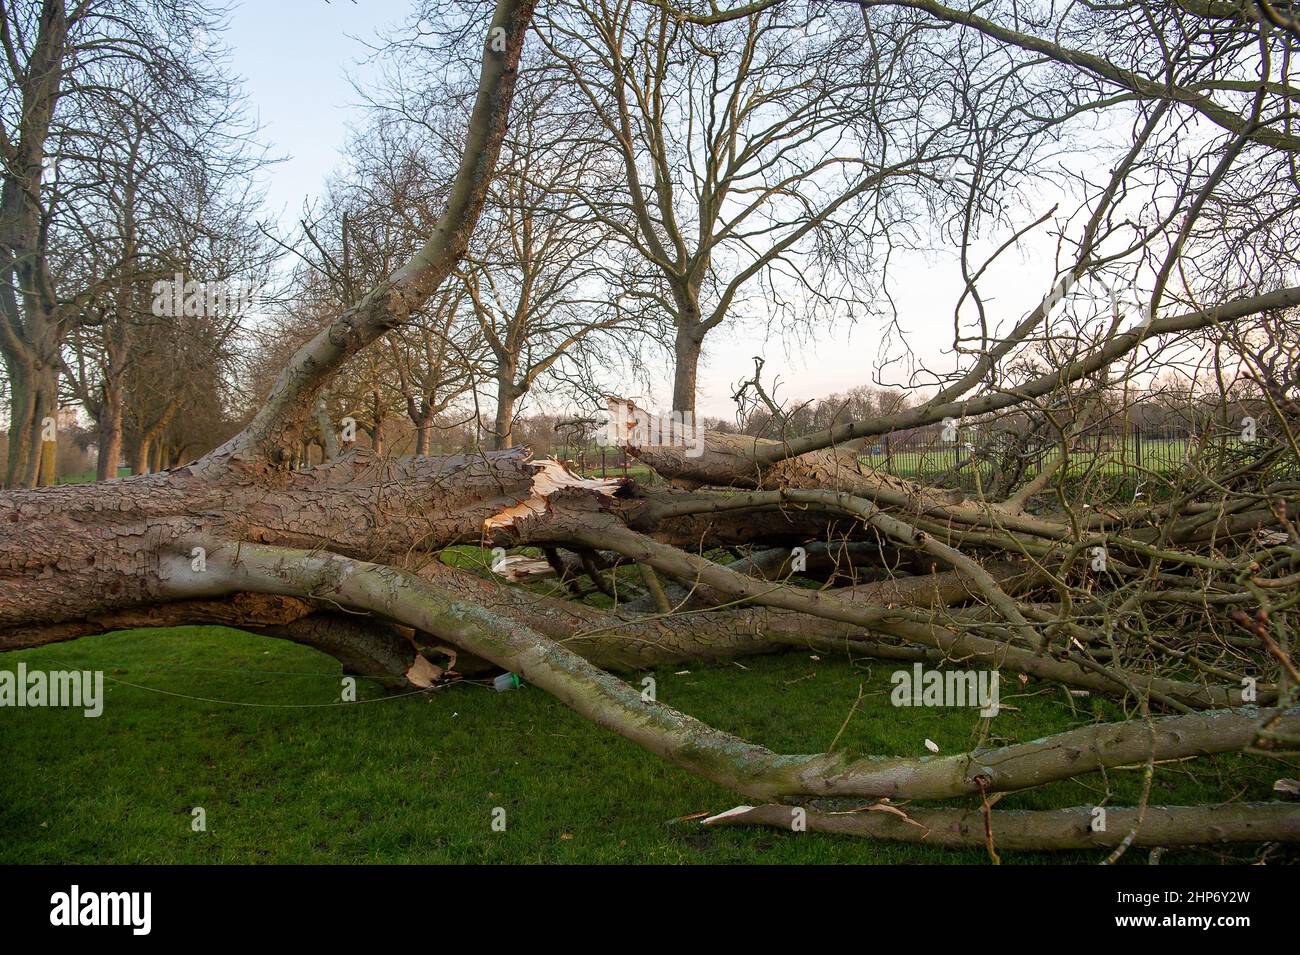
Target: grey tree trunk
(33, 399)
(110, 436)
(686, 369)
(508, 394)
(423, 435)
(140, 456)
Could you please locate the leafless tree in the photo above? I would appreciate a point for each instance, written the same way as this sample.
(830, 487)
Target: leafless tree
(76, 77)
(149, 211)
(767, 163)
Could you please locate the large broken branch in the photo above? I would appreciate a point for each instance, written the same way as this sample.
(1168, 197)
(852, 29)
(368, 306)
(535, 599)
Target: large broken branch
(1038, 829)
(276, 430)
(742, 767)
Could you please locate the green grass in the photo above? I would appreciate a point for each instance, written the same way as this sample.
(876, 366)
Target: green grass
(1158, 456)
(85, 477)
(416, 778)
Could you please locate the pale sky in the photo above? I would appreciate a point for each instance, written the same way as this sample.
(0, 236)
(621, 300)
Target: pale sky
(295, 57)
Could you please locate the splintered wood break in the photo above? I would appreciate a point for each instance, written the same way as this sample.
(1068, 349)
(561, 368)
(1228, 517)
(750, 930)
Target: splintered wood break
(631, 427)
(518, 568)
(551, 476)
(623, 420)
(423, 673)
(736, 811)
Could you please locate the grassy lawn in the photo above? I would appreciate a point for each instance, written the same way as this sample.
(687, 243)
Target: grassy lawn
(86, 477)
(1118, 459)
(249, 728)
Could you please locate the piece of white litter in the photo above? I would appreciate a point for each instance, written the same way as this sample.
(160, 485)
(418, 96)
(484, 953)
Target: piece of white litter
(932, 746)
(739, 810)
(681, 673)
